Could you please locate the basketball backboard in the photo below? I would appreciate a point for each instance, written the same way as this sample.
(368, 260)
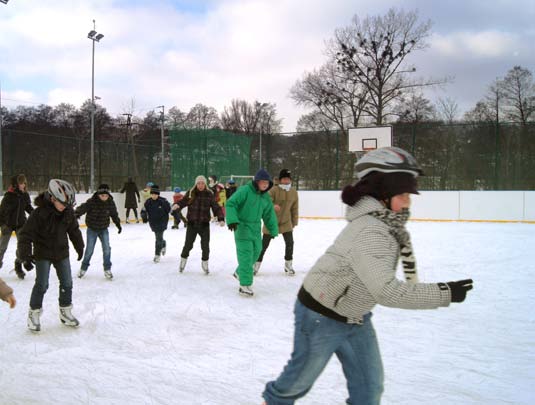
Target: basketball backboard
(363, 139)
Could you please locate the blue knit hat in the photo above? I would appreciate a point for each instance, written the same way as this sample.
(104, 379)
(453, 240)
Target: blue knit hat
(178, 189)
(262, 174)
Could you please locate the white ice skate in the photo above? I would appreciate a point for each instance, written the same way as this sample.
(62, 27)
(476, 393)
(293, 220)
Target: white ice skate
(108, 274)
(256, 268)
(288, 268)
(156, 259)
(246, 291)
(34, 324)
(183, 261)
(163, 250)
(66, 317)
(204, 266)
(81, 273)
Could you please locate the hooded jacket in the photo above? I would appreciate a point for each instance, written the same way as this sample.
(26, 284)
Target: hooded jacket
(358, 271)
(13, 208)
(98, 212)
(49, 231)
(288, 201)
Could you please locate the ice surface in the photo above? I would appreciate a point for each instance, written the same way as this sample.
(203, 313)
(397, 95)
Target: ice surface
(154, 336)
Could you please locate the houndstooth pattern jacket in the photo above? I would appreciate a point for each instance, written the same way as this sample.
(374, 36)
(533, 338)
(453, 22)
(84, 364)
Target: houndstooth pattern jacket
(358, 270)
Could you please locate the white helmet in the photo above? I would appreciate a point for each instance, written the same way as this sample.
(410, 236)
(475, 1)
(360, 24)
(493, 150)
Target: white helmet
(62, 191)
(387, 160)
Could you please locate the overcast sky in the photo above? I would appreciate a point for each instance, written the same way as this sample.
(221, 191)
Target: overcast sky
(183, 52)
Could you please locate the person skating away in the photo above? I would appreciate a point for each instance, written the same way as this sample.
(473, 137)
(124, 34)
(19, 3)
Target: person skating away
(249, 205)
(357, 272)
(177, 214)
(200, 200)
(98, 210)
(156, 212)
(48, 229)
(15, 204)
(230, 188)
(286, 203)
(131, 198)
(6, 294)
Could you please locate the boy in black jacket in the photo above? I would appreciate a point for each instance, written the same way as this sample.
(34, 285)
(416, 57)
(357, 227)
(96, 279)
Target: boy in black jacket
(156, 212)
(48, 229)
(99, 209)
(15, 204)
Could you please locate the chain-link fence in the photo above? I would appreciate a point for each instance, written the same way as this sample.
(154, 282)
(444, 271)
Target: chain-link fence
(481, 156)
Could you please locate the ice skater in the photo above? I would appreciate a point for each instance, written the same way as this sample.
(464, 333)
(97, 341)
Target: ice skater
(48, 229)
(156, 212)
(131, 198)
(357, 272)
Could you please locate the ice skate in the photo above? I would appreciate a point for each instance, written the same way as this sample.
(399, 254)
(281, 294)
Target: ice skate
(156, 259)
(183, 261)
(81, 273)
(108, 274)
(204, 266)
(236, 276)
(256, 268)
(164, 248)
(246, 291)
(66, 317)
(34, 323)
(174, 227)
(288, 268)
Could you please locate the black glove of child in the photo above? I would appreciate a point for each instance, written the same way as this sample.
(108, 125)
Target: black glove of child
(233, 226)
(119, 229)
(28, 263)
(459, 289)
(80, 255)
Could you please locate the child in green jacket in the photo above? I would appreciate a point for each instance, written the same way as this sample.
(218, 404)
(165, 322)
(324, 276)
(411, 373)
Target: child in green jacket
(247, 206)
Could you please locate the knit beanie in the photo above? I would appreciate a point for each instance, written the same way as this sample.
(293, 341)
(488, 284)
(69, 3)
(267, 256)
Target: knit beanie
(103, 189)
(285, 173)
(381, 186)
(155, 189)
(200, 178)
(262, 174)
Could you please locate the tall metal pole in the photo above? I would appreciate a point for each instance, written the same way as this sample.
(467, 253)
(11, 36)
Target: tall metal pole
(92, 180)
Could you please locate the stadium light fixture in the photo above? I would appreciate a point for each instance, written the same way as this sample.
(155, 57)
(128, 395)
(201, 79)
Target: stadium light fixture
(94, 37)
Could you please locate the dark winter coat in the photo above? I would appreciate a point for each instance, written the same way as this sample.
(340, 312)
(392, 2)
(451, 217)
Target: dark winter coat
(13, 208)
(49, 231)
(130, 200)
(98, 212)
(230, 190)
(157, 212)
(199, 204)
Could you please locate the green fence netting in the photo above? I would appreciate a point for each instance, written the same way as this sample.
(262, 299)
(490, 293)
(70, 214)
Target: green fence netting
(207, 152)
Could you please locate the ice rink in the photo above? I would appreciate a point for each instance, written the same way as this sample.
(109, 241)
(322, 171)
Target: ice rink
(154, 336)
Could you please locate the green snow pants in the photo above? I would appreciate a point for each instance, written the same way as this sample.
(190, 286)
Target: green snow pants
(247, 251)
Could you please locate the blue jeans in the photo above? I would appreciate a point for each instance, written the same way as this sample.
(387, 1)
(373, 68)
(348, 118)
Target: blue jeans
(316, 338)
(104, 237)
(42, 272)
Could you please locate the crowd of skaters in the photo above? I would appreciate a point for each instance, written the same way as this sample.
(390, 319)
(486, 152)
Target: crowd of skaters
(333, 307)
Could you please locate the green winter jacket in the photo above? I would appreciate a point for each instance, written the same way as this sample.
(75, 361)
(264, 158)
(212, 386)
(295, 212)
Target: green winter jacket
(247, 207)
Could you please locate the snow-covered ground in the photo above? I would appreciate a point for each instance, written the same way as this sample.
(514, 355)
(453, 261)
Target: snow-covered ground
(154, 336)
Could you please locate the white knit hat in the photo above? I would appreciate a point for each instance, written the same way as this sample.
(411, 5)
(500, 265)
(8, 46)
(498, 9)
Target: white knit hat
(200, 178)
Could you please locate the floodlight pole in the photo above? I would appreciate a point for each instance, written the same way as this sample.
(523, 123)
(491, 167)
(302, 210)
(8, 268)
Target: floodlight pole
(94, 37)
(1, 161)
(162, 118)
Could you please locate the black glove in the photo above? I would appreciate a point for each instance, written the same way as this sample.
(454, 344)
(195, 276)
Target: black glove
(119, 229)
(233, 226)
(459, 289)
(80, 255)
(28, 263)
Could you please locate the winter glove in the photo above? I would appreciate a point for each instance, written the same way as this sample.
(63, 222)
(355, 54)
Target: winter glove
(459, 289)
(119, 229)
(233, 226)
(144, 216)
(28, 263)
(80, 255)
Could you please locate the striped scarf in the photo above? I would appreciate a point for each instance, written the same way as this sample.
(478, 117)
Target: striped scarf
(396, 222)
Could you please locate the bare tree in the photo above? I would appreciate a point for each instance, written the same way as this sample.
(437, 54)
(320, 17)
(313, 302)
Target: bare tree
(202, 117)
(177, 118)
(314, 122)
(518, 92)
(255, 118)
(415, 108)
(447, 109)
(374, 52)
(489, 109)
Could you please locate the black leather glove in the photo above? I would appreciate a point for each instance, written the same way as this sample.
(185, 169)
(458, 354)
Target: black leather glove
(119, 229)
(459, 289)
(80, 255)
(233, 226)
(28, 263)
